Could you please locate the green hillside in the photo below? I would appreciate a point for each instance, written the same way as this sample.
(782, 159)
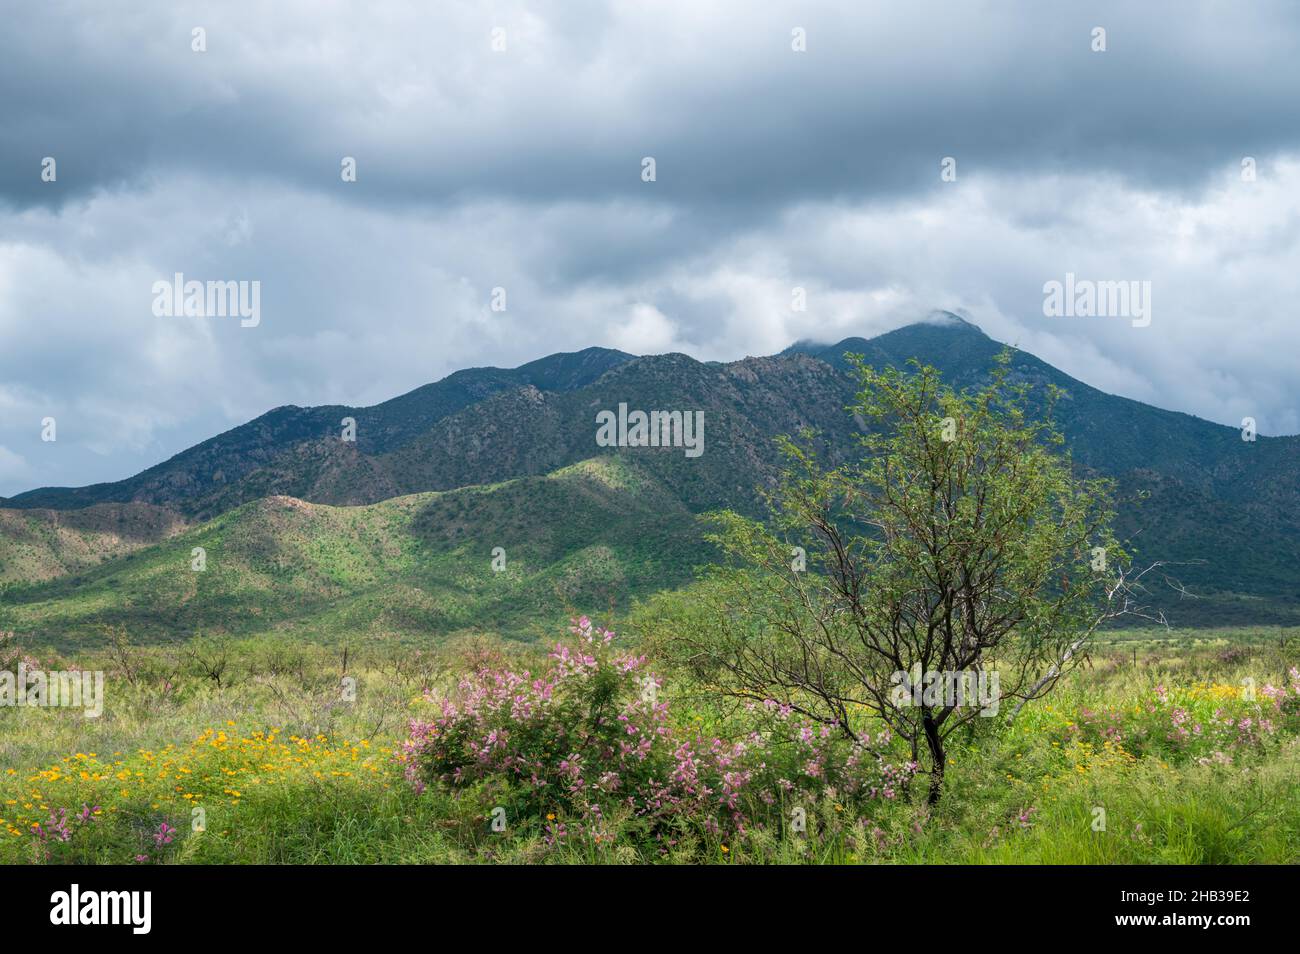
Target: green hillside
(45, 544)
(593, 534)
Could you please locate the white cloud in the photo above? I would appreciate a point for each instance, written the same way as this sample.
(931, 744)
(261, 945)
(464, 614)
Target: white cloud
(647, 330)
(13, 467)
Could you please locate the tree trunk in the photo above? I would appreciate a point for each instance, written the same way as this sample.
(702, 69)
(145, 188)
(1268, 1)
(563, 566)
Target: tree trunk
(937, 758)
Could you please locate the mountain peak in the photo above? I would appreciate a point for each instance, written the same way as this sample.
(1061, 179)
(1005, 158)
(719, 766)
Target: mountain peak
(949, 319)
(953, 325)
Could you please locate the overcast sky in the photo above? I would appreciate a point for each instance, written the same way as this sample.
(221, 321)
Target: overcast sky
(522, 169)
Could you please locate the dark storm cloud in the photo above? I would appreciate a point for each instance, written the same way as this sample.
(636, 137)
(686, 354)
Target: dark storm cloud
(581, 93)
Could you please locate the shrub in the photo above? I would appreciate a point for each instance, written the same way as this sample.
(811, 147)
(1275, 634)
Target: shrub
(589, 742)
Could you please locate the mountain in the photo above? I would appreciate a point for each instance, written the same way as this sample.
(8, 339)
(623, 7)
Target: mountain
(400, 523)
(289, 449)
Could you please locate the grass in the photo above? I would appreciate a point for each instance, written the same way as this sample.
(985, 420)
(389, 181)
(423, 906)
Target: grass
(259, 740)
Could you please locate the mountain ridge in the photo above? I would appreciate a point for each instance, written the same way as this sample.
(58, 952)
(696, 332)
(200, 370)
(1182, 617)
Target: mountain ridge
(396, 420)
(387, 426)
(1187, 488)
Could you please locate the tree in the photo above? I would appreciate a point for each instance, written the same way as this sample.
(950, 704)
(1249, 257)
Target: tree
(958, 563)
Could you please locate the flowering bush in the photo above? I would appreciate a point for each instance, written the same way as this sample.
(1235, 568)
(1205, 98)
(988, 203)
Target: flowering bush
(60, 828)
(11, 655)
(589, 737)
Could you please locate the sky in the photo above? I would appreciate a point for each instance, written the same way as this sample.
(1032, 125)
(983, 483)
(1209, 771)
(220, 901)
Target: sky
(887, 159)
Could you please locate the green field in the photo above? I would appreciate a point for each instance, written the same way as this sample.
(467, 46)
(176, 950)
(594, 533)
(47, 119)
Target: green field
(258, 736)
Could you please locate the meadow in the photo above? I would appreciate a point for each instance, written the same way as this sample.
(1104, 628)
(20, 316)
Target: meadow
(1167, 747)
